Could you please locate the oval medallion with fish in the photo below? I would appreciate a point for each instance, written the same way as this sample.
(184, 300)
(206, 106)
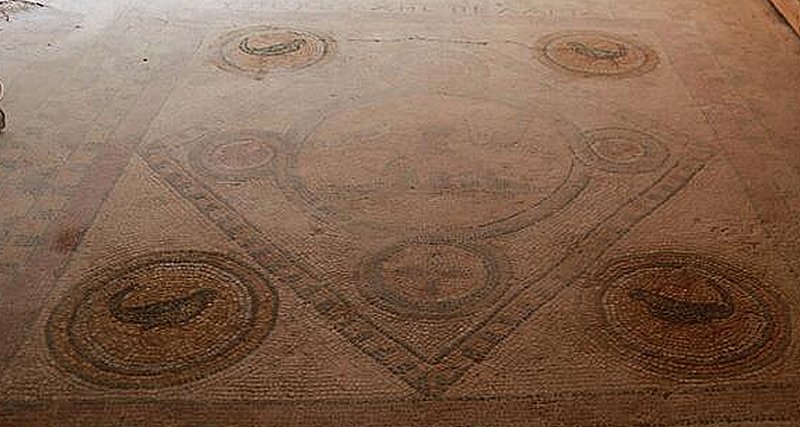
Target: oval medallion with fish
(690, 316)
(591, 53)
(261, 50)
(161, 319)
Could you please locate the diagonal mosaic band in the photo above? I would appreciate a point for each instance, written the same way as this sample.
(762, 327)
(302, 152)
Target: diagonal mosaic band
(429, 376)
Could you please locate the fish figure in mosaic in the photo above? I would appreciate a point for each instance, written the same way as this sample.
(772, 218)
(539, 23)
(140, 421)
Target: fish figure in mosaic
(172, 312)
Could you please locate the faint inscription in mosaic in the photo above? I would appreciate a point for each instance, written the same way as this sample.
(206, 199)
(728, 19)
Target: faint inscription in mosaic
(689, 316)
(161, 319)
(596, 54)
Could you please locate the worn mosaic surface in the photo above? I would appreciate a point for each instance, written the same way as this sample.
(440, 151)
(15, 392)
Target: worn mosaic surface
(396, 213)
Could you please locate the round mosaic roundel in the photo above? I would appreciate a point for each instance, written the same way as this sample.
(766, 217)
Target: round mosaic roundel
(432, 280)
(428, 165)
(263, 49)
(688, 316)
(235, 156)
(596, 54)
(161, 319)
(621, 150)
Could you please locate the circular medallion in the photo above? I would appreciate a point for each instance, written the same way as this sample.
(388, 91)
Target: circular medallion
(234, 156)
(596, 54)
(432, 280)
(264, 49)
(161, 320)
(688, 316)
(433, 165)
(621, 150)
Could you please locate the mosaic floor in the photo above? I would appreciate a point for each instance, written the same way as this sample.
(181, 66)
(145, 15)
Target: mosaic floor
(399, 213)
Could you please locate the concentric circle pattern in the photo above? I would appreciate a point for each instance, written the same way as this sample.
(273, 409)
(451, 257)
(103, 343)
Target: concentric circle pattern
(432, 280)
(688, 316)
(234, 156)
(596, 54)
(621, 150)
(161, 320)
(264, 49)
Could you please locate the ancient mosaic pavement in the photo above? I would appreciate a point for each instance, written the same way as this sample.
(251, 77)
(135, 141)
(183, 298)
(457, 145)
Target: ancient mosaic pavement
(439, 214)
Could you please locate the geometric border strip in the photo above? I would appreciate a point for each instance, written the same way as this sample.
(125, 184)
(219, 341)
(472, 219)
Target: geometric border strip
(366, 335)
(525, 302)
(300, 277)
